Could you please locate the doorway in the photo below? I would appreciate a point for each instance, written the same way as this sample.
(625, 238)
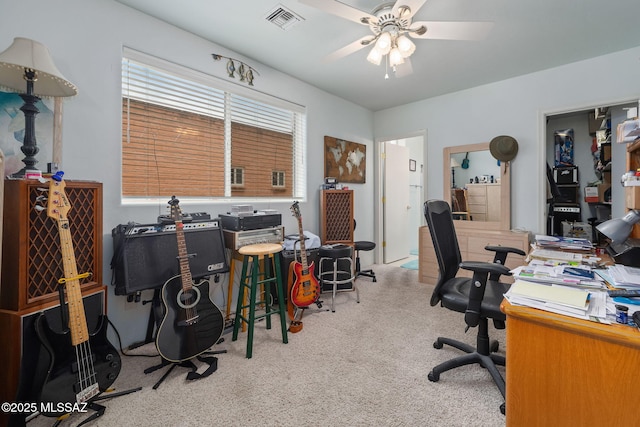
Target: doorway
(400, 212)
(589, 128)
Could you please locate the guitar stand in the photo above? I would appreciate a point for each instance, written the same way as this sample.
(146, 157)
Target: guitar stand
(192, 375)
(100, 409)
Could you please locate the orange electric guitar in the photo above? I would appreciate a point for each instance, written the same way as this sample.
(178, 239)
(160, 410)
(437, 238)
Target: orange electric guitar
(306, 288)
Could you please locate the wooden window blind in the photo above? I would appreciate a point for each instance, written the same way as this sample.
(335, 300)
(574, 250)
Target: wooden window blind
(183, 136)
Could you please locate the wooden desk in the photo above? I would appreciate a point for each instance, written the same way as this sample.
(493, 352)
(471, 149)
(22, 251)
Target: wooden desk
(563, 371)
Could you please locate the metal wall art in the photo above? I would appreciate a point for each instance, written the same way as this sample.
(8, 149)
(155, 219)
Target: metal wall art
(245, 72)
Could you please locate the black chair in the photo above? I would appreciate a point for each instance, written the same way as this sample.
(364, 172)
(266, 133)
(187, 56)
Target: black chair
(363, 245)
(478, 297)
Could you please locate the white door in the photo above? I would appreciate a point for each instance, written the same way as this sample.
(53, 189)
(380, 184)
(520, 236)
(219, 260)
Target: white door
(396, 202)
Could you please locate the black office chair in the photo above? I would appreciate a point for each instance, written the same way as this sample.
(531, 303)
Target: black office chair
(478, 298)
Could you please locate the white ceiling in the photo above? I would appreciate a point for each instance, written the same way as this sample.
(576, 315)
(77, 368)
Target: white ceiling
(527, 36)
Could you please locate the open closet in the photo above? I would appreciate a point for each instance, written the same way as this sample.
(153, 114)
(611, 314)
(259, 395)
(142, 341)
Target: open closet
(584, 165)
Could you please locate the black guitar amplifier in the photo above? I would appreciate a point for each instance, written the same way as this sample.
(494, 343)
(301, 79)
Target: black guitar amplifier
(146, 256)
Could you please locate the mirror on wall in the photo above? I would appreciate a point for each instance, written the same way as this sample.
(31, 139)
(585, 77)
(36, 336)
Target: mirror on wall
(479, 189)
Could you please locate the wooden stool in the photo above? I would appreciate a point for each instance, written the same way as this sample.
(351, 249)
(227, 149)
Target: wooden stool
(265, 274)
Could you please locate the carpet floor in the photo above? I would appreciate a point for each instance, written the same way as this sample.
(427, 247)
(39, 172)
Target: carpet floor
(364, 365)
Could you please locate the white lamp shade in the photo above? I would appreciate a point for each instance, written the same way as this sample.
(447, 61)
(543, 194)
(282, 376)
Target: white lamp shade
(375, 57)
(619, 229)
(384, 43)
(455, 163)
(29, 54)
(406, 46)
(395, 57)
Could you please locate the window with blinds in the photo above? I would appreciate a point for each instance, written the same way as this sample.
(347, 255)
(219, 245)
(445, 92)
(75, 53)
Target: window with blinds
(188, 134)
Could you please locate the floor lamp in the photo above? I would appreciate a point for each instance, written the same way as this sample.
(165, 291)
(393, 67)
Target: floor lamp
(30, 61)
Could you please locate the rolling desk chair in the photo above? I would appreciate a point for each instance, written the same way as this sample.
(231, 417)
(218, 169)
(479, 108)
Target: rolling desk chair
(478, 297)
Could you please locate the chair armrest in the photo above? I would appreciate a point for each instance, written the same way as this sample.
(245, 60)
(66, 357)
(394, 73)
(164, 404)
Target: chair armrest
(500, 256)
(481, 271)
(485, 267)
(504, 250)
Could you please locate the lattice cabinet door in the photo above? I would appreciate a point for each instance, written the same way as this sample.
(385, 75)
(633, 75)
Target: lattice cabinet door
(336, 216)
(31, 254)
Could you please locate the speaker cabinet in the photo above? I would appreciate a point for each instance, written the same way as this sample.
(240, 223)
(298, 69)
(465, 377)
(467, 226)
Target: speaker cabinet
(31, 255)
(145, 257)
(21, 346)
(336, 216)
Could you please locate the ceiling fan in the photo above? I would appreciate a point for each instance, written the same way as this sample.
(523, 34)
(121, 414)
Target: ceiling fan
(393, 28)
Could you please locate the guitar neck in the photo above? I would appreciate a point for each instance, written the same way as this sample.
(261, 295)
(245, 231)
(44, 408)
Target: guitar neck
(77, 318)
(303, 249)
(183, 257)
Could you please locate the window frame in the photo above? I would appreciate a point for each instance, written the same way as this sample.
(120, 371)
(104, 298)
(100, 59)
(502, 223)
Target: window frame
(281, 176)
(299, 171)
(234, 171)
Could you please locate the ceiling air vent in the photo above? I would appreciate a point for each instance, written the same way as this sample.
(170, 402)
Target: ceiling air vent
(283, 17)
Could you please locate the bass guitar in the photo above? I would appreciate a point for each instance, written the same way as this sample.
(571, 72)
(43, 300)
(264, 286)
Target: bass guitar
(192, 323)
(81, 365)
(306, 288)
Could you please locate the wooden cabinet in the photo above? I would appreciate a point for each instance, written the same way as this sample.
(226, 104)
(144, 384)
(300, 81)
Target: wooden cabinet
(32, 257)
(336, 216)
(483, 201)
(472, 244)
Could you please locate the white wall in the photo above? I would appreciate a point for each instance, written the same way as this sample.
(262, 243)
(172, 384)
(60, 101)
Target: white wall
(515, 107)
(86, 38)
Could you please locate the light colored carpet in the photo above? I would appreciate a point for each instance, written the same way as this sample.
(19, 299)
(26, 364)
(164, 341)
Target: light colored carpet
(364, 365)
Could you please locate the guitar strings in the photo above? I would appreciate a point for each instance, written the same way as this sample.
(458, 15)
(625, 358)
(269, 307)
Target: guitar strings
(84, 358)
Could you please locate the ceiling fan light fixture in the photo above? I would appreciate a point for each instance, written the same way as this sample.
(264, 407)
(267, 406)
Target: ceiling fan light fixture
(384, 43)
(395, 57)
(405, 46)
(375, 57)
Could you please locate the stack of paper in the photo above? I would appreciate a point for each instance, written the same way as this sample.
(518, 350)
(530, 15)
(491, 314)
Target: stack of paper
(579, 276)
(624, 277)
(559, 299)
(550, 254)
(563, 243)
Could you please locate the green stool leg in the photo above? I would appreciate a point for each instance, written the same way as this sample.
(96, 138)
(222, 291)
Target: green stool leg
(281, 307)
(243, 280)
(255, 267)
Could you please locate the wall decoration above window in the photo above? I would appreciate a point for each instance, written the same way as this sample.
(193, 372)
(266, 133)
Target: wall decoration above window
(235, 66)
(344, 160)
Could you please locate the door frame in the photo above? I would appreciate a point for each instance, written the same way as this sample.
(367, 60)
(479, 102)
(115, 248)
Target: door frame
(542, 146)
(378, 231)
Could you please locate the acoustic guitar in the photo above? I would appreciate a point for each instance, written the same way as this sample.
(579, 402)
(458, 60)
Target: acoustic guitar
(81, 365)
(192, 323)
(306, 288)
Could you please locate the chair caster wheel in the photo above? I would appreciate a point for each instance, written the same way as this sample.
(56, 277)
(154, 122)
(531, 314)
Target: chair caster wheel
(374, 279)
(433, 377)
(502, 409)
(495, 345)
(437, 344)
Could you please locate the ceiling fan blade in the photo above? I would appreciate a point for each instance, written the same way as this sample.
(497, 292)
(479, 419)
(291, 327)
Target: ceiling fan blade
(404, 69)
(452, 30)
(339, 9)
(347, 50)
(413, 5)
